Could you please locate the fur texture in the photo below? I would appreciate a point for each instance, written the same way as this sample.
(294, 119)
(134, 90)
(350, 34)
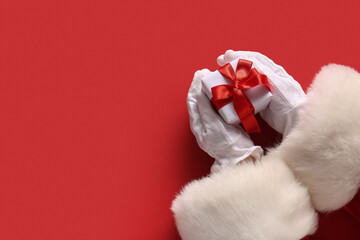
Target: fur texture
(249, 201)
(323, 149)
(264, 200)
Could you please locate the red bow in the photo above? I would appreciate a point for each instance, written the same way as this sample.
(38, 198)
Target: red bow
(244, 78)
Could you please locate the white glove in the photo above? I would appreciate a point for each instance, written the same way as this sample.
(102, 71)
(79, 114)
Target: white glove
(231, 144)
(226, 143)
(288, 96)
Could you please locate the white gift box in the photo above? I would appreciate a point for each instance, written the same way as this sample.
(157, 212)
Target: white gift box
(259, 95)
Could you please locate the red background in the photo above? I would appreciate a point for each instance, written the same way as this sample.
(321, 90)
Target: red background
(94, 133)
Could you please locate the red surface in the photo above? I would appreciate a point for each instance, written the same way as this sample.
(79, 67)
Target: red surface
(94, 133)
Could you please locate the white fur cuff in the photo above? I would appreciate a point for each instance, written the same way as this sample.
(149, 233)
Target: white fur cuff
(249, 202)
(323, 148)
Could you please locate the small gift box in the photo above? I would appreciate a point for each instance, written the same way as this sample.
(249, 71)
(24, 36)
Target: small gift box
(238, 91)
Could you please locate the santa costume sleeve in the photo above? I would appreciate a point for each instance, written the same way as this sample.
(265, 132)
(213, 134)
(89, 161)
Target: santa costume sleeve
(317, 166)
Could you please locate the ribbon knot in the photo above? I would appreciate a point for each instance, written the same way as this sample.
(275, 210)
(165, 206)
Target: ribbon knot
(237, 84)
(245, 77)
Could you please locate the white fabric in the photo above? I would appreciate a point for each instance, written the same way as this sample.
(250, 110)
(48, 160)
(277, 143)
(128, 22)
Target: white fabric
(261, 201)
(231, 144)
(317, 166)
(288, 96)
(259, 96)
(323, 147)
(226, 143)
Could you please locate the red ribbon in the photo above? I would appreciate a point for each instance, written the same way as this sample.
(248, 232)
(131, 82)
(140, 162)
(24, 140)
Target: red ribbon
(244, 78)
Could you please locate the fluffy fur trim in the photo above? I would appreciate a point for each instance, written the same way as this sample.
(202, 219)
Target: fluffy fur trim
(323, 149)
(249, 201)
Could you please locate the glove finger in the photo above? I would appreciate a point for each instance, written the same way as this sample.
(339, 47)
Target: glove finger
(213, 125)
(192, 104)
(195, 118)
(220, 60)
(195, 88)
(231, 55)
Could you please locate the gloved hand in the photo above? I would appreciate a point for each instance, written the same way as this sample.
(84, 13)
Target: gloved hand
(231, 144)
(226, 143)
(288, 96)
